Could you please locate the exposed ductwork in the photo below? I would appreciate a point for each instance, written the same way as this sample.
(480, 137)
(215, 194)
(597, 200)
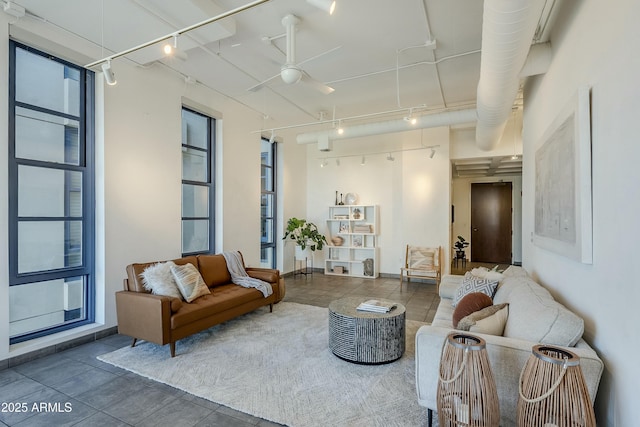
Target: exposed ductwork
(508, 27)
(507, 56)
(426, 121)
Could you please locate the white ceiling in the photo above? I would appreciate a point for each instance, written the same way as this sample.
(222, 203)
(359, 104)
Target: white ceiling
(370, 71)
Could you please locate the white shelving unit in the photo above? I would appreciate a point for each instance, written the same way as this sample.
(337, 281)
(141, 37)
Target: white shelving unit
(357, 226)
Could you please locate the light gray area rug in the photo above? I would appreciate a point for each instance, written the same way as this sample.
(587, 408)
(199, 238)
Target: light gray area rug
(278, 366)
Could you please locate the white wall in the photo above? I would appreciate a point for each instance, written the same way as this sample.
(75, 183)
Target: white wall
(412, 191)
(592, 46)
(139, 174)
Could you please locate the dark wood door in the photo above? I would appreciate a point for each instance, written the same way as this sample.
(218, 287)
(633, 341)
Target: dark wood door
(491, 213)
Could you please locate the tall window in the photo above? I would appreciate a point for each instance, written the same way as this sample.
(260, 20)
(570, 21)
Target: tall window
(268, 204)
(51, 184)
(198, 134)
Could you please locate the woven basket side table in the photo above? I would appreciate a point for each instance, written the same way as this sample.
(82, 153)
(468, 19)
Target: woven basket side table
(366, 337)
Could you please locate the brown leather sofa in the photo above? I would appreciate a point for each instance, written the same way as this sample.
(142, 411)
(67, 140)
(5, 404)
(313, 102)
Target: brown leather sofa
(165, 320)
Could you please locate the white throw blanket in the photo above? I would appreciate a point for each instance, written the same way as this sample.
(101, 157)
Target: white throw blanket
(240, 277)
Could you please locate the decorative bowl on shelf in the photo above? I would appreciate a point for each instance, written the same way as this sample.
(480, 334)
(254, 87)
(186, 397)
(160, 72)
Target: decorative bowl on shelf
(337, 240)
(351, 198)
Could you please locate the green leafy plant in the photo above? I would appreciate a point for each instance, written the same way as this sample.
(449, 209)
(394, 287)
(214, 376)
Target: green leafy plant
(461, 244)
(304, 234)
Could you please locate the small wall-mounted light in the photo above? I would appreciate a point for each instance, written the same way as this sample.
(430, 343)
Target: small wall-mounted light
(272, 138)
(362, 161)
(390, 157)
(433, 153)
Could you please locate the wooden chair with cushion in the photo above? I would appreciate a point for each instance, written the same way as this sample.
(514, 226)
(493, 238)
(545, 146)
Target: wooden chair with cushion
(422, 263)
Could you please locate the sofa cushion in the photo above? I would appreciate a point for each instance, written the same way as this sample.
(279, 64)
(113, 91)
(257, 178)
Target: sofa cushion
(489, 320)
(535, 316)
(189, 281)
(158, 280)
(225, 297)
(471, 284)
(134, 280)
(449, 284)
(470, 304)
(214, 270)
(494, 324)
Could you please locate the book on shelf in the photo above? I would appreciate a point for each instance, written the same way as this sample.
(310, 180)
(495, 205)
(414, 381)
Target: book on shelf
(376, 306)
(362, 228)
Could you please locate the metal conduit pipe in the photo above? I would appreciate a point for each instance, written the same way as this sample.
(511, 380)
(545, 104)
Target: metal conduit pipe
(426, 121)
(508, 28)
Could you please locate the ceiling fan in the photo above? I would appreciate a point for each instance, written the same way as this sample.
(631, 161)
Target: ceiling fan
(291, 72)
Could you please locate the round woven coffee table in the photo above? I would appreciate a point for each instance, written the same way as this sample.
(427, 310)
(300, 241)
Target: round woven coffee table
(366, 337)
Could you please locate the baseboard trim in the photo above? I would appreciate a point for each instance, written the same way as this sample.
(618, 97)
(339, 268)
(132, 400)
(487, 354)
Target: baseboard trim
(57, 348)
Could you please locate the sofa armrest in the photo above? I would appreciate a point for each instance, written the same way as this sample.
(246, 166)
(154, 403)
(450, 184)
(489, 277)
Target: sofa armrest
(507, 357)
(267, 274)
(144, 316)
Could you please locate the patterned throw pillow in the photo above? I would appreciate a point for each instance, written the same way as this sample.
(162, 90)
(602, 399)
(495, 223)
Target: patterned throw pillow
(157, 279)
(189, 281)
(471, 283)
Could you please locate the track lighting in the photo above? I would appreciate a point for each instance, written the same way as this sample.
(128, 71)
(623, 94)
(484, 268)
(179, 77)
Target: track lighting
(272, 138)
(328, 6)
(337, 162)
(411, 118)
(433, 153)
(362, 161)
(109, 75)
(172, 50)
(390, 157)
(324, 163)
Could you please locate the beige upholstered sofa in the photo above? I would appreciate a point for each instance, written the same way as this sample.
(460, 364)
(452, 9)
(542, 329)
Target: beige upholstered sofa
(534, 317)
(164, 320)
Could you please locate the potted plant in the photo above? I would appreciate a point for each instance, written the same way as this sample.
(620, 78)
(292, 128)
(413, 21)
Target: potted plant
(460, 245)
(304, 234)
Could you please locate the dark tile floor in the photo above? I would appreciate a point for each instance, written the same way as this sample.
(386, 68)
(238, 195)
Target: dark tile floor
(73, 388)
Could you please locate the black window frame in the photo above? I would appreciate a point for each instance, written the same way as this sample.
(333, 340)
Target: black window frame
(210, 182)
(272, 245)
(86, 166)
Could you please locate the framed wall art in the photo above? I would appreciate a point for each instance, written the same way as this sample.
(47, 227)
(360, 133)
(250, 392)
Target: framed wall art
(563, 211)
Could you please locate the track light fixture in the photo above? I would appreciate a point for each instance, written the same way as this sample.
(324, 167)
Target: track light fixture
(328, 6)
(390, 157)
(362, 161)
(340, 128)
(272, 138)
(411, 118)
(433, 153)
(109, 75)
(337, 162)
(171, 49)
(324, 163)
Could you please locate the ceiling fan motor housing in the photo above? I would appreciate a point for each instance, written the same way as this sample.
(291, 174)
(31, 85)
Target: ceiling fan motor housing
(290, 74)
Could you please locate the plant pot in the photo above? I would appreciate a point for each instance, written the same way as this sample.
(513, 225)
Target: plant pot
(460, 255)
(302, 253)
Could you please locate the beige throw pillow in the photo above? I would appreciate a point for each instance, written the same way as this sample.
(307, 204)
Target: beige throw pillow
(158, 279)
(490, 320)
(189, 281)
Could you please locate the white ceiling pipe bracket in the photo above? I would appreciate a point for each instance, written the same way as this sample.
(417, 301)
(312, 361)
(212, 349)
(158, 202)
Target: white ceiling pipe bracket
(426, 121)
(507, 31)
(538, 60)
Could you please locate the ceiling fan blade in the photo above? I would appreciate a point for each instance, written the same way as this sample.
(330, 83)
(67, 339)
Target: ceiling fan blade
(326, 52)
(262, 84)
(317, 85)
